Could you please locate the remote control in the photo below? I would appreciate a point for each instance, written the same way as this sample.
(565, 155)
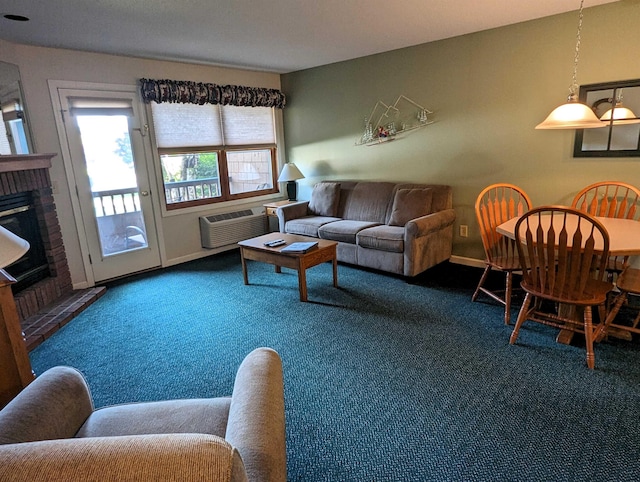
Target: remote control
(275, 242)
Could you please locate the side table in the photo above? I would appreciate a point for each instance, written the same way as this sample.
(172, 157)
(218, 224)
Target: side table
(270, 210)
(15, 367)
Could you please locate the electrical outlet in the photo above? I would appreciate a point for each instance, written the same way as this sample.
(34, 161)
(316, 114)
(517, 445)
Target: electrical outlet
(464, 231)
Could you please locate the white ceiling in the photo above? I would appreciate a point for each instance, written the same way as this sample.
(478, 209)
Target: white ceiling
(278, 35)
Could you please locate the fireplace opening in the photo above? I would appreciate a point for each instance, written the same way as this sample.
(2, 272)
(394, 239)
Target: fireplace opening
(18, 215)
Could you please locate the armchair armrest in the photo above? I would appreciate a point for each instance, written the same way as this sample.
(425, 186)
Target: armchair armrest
(430, 223)
(182, 457)
(291, 211)
(256, 425)
(53, 406)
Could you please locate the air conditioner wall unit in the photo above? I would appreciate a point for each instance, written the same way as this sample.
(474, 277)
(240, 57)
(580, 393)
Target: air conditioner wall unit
(226, 229)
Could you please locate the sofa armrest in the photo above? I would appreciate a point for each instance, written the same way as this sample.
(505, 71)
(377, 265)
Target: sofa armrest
(428, 241)
(430, 223)
(291, 211)
(188, 457)
(256, 425)
(53, 406)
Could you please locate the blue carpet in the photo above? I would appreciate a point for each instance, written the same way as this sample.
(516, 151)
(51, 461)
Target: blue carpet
(384, 380)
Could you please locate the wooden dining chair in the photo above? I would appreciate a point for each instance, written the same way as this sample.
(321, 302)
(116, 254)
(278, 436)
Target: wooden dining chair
(610, 199)
(495, 205)
(628, 283)
(563, 254)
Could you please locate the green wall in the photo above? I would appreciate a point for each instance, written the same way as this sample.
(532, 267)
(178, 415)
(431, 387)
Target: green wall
(488, 90)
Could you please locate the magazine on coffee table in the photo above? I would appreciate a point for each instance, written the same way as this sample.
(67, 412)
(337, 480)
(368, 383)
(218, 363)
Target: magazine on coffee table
(299, 247)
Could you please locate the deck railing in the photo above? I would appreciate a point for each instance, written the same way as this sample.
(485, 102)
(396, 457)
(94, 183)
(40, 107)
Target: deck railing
(116, 201)
(191, 190)
(123, 201)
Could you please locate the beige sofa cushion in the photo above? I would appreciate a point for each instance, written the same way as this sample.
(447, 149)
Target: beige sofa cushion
(343, 231)
(366, 201)
(325, 198)
(409, 204)
(197, 415)
(382, 238)
(308, 225)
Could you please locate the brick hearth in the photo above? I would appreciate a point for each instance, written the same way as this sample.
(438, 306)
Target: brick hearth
(50, 303)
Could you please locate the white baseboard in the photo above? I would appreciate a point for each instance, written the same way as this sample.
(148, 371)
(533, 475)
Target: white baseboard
(473, 262)
(199, 255)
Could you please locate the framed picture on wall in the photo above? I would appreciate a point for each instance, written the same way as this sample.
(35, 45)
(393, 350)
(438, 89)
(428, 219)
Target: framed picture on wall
(617, 105)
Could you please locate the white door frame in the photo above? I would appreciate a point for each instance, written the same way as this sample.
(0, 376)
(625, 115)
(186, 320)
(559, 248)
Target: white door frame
(54, 87)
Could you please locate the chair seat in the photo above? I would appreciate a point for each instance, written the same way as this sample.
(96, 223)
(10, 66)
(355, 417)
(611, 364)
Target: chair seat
(628, 283)
(595, 293)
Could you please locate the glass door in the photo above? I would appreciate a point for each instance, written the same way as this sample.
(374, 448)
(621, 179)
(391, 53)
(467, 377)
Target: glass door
(107, 156)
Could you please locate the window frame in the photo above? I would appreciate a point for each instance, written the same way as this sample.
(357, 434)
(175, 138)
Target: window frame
(223, 174)
(223, 170)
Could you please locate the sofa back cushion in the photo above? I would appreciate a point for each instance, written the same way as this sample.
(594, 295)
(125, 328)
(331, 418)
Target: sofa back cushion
(325, 198)
(409, 204)
(442, 194)
(366, 201)
(373, 200)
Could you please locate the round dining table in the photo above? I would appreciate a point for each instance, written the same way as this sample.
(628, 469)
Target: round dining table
(624, 240)
(624, 234)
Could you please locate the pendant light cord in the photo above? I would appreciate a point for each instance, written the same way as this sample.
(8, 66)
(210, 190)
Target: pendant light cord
(574, 84)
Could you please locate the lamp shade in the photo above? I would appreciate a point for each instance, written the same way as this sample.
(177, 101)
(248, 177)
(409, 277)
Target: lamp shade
(572, 115)
(621, 116)
(290, 173)
(12, 247)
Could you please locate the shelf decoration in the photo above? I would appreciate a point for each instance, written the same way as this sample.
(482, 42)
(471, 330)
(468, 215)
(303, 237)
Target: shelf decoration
(388, 122)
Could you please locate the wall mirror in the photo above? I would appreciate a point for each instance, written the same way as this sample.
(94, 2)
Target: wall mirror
(621, 135)
(15, 137)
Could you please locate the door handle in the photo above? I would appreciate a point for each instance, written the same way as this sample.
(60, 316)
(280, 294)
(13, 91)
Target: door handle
(144, 193)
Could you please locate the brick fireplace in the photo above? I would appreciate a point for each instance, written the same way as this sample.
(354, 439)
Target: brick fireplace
(49, 303)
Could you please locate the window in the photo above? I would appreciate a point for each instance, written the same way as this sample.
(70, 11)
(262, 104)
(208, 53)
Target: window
(212, 153)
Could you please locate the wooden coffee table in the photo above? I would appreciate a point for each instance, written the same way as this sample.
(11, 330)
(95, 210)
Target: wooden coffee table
(255, 249)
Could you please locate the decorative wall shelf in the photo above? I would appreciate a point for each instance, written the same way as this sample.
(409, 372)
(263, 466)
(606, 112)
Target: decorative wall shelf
(391, 121)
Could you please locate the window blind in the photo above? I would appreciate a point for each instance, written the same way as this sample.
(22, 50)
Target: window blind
(247, 125)
(192, 125)
(186, 125)
(92, 106)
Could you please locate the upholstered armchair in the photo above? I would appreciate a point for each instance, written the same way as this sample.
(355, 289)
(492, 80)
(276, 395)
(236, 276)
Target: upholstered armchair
(52, 432)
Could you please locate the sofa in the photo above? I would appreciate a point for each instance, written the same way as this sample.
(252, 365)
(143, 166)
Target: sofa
(52, 432)
(401, 228)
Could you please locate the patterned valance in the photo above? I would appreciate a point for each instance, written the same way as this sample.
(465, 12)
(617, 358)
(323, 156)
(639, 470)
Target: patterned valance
(187, 92)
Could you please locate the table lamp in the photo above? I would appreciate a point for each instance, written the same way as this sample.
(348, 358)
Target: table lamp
(290, 174)
(12, 247)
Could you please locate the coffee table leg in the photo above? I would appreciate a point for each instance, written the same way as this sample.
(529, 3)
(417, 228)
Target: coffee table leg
(245, 276)
(302, 283)
(335, 272)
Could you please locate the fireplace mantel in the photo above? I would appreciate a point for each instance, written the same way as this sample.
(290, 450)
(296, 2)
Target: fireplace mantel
(24, 162)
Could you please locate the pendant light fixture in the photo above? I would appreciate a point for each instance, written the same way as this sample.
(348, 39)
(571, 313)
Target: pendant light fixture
(621, 115)
(573, 114)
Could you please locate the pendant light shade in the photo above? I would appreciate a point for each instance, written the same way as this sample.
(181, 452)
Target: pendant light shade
(573, 114)
(621, 115)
